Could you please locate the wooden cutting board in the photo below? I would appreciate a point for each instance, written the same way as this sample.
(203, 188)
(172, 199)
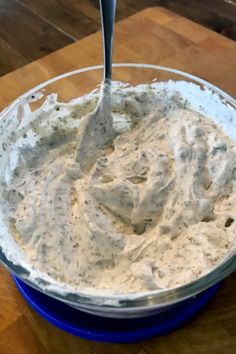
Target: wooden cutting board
(154, 36)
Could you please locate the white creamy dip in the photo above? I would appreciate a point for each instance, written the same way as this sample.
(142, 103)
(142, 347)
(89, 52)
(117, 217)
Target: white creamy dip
(151, 206)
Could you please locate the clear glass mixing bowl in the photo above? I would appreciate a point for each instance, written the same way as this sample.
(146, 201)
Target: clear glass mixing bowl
(204, 98)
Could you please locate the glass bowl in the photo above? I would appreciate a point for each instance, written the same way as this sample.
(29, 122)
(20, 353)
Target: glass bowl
(204, 98)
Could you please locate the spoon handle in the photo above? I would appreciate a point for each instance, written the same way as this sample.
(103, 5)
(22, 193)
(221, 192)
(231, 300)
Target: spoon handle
(107, 9)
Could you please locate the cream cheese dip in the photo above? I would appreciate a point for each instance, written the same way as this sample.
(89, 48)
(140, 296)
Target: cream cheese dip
(151, 206)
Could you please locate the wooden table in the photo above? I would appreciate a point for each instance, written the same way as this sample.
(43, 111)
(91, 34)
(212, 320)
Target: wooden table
(155, 36)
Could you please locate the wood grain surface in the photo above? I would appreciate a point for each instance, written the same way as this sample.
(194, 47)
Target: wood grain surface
(31, 29)
(155, 36)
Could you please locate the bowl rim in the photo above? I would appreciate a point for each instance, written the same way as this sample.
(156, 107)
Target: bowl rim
(145, 300)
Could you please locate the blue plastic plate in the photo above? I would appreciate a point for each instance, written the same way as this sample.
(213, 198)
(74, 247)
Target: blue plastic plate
(113, 330)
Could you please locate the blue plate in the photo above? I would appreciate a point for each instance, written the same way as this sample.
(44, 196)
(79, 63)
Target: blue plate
(113, 330)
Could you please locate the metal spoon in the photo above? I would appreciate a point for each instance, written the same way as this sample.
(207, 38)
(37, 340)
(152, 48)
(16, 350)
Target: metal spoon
(107, 9)
(96, 130)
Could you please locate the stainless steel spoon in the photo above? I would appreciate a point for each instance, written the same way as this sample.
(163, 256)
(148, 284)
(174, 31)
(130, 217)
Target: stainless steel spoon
(96, 130)
(107, 9)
